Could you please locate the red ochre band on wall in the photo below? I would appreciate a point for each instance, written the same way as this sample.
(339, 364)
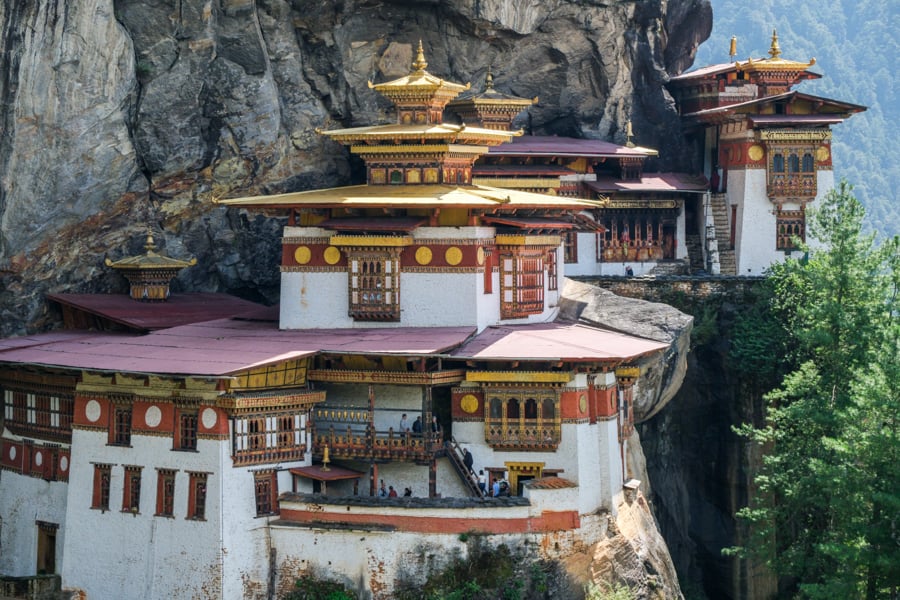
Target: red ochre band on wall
(546, 522)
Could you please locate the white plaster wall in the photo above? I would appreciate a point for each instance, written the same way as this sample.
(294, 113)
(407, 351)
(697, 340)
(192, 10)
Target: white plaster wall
(754, 246)
(24, 500)
(611, 462)
(114, 554)
(587, 256)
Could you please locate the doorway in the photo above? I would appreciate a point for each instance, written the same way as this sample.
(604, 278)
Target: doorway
(46, 547)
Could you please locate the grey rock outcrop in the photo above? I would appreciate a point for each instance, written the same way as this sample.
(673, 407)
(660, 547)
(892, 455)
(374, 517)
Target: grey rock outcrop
(119, 114)
(661, 377)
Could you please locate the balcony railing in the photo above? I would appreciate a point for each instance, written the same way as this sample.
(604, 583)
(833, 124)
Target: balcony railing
(349, 434)
(522, 434)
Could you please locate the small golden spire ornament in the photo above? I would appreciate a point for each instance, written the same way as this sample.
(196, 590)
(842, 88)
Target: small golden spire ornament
(419, 65)
(488, 80)
(732, 50)
(629, 133)
(325, 460)
(775, 50)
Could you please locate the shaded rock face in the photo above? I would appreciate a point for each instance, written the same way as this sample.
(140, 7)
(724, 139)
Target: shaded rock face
(119, 114)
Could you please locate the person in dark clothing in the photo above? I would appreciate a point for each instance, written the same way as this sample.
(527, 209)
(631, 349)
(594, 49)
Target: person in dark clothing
(435, 426)
(468, 460)
(417, 425)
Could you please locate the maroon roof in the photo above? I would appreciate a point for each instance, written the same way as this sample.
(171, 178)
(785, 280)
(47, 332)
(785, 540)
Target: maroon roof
(405, 224)
(651, 182)
(704, 72)
(222, 347)
(846, 107)
(538, 145)
(319, 473)
(555, 341)
(529, 170)
(179, 309)
(796, 119)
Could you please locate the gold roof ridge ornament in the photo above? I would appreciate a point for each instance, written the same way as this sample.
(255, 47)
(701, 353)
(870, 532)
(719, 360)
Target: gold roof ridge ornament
(419, 65)
(774, 49)
(732, 49)
(629, 134)
(150, 273)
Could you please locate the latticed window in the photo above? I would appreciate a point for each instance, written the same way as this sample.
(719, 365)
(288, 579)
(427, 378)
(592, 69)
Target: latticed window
(265, 485)
(165, 492)
(197, 496)
(522, 283)
(41, 412)
(131, 490)
(121, 426)
(524, 419)
(374, 278)
(100, 496)
(187, 430)
(789, 175)
(791, 226)
(264, 438)
(808, 163)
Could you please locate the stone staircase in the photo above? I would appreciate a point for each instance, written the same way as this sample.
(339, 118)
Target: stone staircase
(694, 246)
(727, 265)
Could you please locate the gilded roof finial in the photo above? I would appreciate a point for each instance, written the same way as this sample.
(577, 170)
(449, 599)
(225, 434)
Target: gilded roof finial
(420, 64)
(732, 50)
(488, 80)
(775, 50)
(150, 244)
(629, 133)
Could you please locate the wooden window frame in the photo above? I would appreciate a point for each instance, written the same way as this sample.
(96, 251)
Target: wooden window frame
(552, 271)
(570, 247)
(40, 412)
(521, 283)
(101, 487)
(373, 277)
(186, 430)
(488, 270)
(165, 492)
(260, 438)
(197, 495)
(120, 425)
(507, 425)
(131, 489)
(265, 488)
(788, 225)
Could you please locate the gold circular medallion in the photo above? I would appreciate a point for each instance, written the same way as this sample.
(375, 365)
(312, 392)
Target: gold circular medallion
(423, 255)
(453, 255)
(755, 152)
(302, 255)
(468, 403)
(480, 256)
(332, 255)
(822, 153)
(582, 403)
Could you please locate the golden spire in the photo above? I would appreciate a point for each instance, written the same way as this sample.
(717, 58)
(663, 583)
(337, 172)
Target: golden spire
(419, 65)
(775, 50)
(732, 50)
(488, 80)
(150, 244)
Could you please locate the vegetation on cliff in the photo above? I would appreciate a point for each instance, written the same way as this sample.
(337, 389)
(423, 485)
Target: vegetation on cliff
(824, 516)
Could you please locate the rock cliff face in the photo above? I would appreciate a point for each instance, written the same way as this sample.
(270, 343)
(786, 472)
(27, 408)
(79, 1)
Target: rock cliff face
(116, 115)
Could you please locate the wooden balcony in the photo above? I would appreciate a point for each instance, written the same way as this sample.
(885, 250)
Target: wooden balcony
(522, 434)
(350, 435)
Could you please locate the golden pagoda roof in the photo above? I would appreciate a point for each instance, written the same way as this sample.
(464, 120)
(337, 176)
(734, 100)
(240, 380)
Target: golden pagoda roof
(412, 196)
(491, 97)
(151, 260)
(418, 83)
(774, 62)
(420, 131)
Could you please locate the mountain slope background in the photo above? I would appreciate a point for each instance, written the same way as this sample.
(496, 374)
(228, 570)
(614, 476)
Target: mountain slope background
(855, 44)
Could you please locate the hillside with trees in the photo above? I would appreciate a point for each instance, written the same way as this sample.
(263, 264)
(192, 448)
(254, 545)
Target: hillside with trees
(855, 45)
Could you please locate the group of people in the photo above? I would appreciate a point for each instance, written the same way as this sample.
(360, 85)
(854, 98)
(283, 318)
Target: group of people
(417, 425)
(500, 486)
(390, 492)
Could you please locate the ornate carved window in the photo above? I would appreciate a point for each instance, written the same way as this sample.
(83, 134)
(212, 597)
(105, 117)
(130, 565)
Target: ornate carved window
(790, 226)
(374, 280)
(552, 271)
(187, 430)
(165, 492)
(39, 412)
(268, 438)
(522, 419)
(791, 172)
(521, 283)
(265, 486)
(120, 430)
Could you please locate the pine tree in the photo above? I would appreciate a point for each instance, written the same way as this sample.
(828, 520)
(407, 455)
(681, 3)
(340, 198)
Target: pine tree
(827, 518)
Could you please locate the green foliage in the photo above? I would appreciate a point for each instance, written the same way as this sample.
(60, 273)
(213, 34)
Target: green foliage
(487, 573)
(828, 492)
(310, 587)
(607, 591)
